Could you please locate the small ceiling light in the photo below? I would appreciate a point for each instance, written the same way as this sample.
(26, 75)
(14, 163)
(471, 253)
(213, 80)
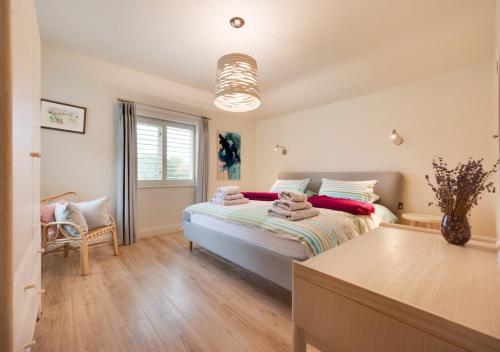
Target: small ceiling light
(237, 83)
(396, 138)
(237, 22)
(282, 148)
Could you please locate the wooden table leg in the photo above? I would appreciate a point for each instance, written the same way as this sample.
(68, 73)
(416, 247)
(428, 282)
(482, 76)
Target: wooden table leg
(299, 340)
(190, 246)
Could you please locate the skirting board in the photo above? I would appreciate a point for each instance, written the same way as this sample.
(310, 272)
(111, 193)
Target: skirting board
(273, 266)
(159, 230)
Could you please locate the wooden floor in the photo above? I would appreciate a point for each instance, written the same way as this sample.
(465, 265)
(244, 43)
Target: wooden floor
(157, 296)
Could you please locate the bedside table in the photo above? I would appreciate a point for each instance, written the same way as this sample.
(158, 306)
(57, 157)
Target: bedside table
(429, 221)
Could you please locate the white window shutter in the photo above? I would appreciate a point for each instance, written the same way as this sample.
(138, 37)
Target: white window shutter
(180, 152)
(149, 152)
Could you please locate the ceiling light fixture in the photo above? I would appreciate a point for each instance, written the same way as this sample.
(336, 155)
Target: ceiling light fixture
(237, 83)
(237, 22)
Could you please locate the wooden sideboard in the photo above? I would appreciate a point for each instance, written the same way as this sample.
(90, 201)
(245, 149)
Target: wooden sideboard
(398, 289)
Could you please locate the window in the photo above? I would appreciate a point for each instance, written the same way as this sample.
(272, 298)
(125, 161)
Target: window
(165, 153)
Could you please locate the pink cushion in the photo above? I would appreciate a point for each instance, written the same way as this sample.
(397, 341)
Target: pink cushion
(47, 214)
(263, 196)
(348, 205)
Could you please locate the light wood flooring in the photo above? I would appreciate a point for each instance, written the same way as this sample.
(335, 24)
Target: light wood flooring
(157, 296)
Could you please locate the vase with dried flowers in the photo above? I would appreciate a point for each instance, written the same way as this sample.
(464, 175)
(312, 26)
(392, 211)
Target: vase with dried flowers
(456, 192)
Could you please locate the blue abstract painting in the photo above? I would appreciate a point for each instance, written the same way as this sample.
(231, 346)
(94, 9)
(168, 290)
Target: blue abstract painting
(229, 156)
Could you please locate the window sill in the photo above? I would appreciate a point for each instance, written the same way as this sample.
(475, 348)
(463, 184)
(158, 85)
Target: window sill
(166, 186)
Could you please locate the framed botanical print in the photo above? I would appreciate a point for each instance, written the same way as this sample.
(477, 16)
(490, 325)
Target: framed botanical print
(61, 116)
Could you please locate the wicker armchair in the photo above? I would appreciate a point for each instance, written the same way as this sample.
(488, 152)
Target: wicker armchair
(63, 241)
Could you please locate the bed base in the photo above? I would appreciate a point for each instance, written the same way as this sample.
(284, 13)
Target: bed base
(268, 264)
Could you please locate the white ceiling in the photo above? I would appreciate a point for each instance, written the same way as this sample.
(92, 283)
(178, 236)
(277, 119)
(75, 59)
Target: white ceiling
(309, 52)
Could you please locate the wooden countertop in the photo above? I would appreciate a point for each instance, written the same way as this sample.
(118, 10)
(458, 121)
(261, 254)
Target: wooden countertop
(450, 291)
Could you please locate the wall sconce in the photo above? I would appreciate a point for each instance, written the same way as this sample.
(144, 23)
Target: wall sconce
(282, 148)
(396, 138)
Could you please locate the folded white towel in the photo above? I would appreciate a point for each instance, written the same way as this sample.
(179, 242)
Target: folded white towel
(291, 205)
(228, 196)
(293, 196)
(293, 215)
(225, 190)
(229, 202)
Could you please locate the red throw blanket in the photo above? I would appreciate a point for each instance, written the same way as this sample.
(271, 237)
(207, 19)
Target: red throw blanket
(348, 205)
(262, 196)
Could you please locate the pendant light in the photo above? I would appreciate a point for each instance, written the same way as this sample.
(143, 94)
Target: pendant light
(237, 83)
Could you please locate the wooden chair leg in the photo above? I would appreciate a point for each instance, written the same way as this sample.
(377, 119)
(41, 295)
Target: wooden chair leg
(115, 242)
(84, 257)
(190, 246)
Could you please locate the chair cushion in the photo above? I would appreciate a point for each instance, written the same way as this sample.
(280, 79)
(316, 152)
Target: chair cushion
(69, 212)
(96, 212)
(47, 214)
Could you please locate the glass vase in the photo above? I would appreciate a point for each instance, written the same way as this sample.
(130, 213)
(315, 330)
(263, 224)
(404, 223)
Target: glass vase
(455, 229)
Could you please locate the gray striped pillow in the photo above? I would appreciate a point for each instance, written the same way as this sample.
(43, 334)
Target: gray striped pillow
(290, 185)
(355, 190)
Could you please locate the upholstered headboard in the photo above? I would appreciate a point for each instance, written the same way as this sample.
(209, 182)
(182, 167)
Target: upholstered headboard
(388, 187)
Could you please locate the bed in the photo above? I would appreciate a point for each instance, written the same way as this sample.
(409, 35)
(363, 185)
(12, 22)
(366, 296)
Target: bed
(245, 236)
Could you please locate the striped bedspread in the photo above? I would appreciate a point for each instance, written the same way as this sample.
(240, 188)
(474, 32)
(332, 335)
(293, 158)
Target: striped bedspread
(318, 234)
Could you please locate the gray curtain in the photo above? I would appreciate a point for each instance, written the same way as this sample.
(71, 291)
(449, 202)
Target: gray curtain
(202, 177)
(127, 173)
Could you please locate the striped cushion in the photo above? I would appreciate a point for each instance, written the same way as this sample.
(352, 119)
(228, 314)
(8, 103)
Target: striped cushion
(290, 185)
(355, 190)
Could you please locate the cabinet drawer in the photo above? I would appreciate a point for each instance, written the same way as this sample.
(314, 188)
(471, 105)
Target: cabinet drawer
(27, 285)
(341, 324)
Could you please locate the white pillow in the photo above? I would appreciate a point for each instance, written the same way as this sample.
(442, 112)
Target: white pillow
(355, 190)
(290, 185)
(375, 198)
(69, 212)
(96, 212)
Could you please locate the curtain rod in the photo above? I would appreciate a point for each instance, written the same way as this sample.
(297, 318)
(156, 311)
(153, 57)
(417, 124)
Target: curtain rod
(162, 108)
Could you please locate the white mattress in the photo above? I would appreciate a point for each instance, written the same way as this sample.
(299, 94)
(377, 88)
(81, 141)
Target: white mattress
(263, 238)
(255, 236)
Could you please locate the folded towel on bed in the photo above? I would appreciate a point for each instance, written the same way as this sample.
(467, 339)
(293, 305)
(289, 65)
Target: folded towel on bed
(228, 196)
(229, 202)
(225, 190)
(293, 215)
(291, 205)
(293, 196)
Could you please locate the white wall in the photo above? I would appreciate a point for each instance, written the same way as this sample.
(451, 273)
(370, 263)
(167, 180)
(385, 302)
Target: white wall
(86, 163)
(447, 115)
